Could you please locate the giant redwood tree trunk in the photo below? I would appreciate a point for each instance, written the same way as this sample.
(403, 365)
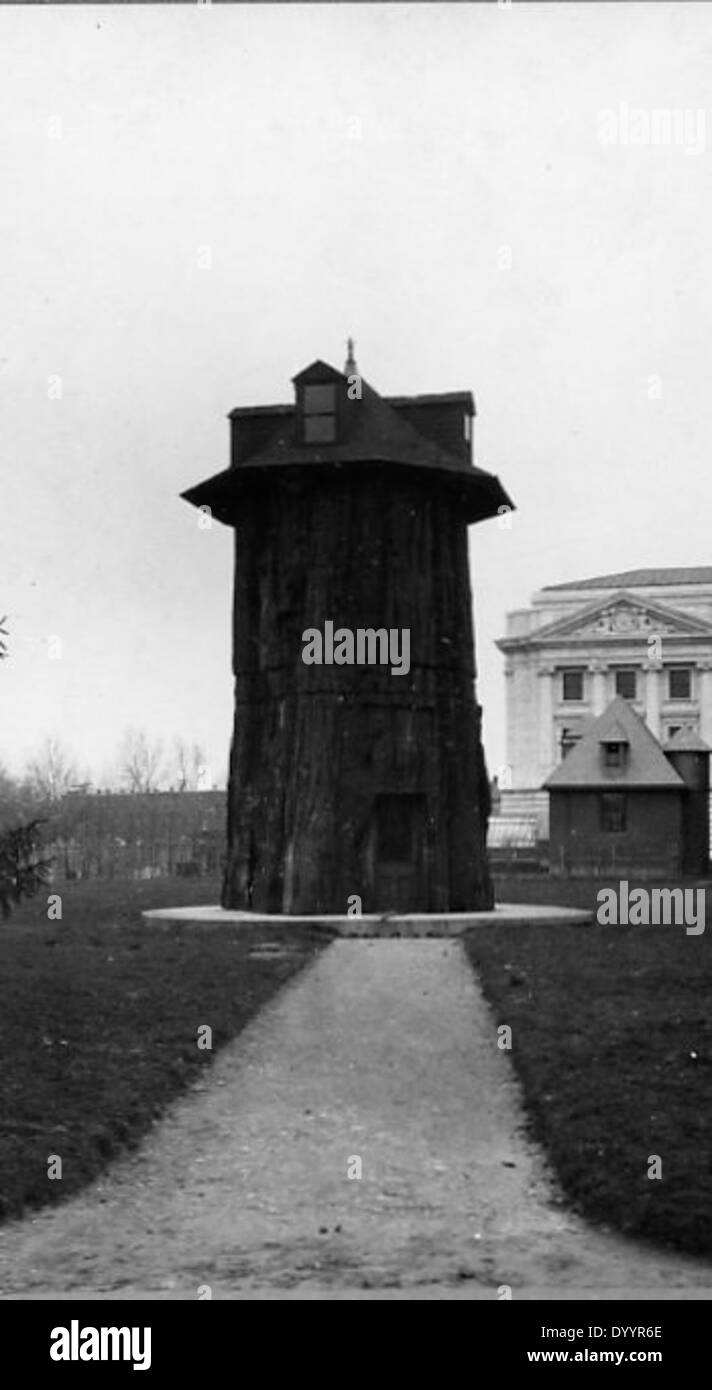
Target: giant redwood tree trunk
(350, 781)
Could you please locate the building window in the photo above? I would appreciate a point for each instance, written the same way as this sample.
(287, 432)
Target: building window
(626, 683)
(680, 683)
(573, 685)
(613, 812)
(673, 729)
(467, 428)
(613, 754)
(319, 405)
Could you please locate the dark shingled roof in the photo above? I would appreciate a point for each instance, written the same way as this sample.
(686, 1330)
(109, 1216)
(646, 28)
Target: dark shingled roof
(692, 574)
(644, 766)
(375, 431)
(463, 398)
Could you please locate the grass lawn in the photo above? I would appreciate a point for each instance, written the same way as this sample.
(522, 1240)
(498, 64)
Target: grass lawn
(99, 1020)
(612, 1041)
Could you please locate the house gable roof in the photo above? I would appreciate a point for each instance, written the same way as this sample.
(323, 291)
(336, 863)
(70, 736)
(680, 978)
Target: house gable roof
(318, 371)
(373, 430)
(644, 766)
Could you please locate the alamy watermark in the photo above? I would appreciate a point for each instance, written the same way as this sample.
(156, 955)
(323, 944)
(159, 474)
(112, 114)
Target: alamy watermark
(75, 1343)
(653, 907)
(663, 125)
(367, 646)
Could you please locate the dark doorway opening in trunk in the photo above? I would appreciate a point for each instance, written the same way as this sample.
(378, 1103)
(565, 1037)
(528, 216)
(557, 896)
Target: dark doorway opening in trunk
(400, 869)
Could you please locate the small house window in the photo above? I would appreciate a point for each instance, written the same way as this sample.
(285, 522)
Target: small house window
(626, 684)
(680, 683)
(319, 405)
(613, 812)
(613, 754)
(573, 685)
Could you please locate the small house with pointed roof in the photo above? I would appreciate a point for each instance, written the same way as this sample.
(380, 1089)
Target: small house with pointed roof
(645, 634)
(619, 801)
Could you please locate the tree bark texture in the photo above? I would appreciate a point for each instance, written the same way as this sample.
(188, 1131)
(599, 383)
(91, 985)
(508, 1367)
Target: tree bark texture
(347, 780)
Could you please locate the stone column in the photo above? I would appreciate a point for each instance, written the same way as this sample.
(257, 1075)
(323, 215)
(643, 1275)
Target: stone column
(505, 773)
(600, 671)
(704, 676)
(654, 676)
(548, 753)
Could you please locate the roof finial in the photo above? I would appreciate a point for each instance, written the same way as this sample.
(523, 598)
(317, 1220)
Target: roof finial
(350, 368)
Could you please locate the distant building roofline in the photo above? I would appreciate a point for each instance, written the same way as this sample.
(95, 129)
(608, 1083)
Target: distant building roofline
(683, 574)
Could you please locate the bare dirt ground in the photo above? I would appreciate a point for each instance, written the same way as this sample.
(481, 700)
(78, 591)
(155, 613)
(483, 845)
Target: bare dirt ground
(383, 1051)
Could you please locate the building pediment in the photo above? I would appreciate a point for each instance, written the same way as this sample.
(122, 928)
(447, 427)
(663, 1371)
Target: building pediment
(615, 618)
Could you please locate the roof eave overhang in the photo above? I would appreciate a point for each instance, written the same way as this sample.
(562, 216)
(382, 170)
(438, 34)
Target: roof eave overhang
(481, 493)
(613, 786)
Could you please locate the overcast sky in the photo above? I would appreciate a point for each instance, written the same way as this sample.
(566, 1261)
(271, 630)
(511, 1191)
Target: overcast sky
(198, 201)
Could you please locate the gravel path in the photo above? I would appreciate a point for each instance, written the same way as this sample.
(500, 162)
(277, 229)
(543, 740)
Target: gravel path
(382, 1051)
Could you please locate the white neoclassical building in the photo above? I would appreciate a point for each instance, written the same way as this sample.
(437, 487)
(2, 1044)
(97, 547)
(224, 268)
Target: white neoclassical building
(643, 634)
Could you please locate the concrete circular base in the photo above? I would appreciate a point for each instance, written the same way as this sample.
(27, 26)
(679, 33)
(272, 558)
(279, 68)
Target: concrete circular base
(381, 924)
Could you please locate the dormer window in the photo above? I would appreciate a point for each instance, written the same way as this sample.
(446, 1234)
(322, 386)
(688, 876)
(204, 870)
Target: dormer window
(319, 409)
(613, 754)
(614, 746)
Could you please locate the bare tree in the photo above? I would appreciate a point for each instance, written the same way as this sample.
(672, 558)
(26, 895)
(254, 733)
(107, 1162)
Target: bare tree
(141, 761)
(189, 761)
(52, 771)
